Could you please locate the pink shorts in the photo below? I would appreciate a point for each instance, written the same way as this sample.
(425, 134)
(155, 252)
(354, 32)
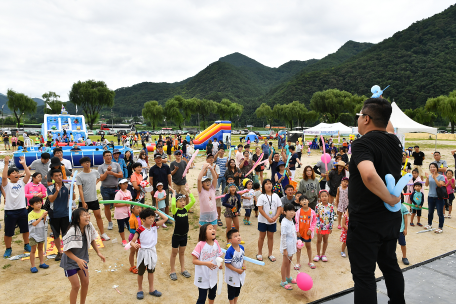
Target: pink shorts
(323, 232)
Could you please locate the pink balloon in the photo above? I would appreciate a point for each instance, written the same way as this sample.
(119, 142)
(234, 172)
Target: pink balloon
(299, 244)
(326, 158)
(304, 281)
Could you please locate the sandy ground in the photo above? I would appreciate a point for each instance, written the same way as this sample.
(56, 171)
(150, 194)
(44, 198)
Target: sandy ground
(262, 282)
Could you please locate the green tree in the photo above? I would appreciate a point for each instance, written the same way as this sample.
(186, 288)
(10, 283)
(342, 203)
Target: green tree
(205, 108)
(303, 114)
(152, 112)
(189, 107)
(421, 116)
(265, 111)
(331, 103)
(444, 105)
(235, 110)
(20, 104)
(172, 110)
(51, 99)
(92, 96)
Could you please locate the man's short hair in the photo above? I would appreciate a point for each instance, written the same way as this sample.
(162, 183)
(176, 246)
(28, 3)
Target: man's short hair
(54, 171)
(436, 152)
(84, 160)
(45, 155)
(106, 152)
(58, 150)
(379, 110)
(417, 147)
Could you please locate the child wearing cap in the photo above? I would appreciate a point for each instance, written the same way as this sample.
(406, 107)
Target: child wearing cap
(206, 193)
(160, 197)
(179, 209)
(121, 211)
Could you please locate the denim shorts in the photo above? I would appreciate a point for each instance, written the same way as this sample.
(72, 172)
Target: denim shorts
(108, 194)
(304, 241)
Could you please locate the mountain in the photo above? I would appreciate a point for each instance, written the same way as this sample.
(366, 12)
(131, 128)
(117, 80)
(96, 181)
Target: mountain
(4, 101)
(418, 63)
(235, 76)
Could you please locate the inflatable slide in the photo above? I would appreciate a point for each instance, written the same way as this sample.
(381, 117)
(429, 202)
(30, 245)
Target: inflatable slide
(220, 130)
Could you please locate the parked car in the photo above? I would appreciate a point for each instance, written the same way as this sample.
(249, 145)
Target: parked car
(90, 132)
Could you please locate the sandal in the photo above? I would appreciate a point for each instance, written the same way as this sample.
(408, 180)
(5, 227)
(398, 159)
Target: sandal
(339, 227)
(449, 215)
(219, 222)
(316, 258)
(134, 270)
(286, 286)
(186, 274)
(173, 276)
(297, 267)
(140, 295)
(419, 224)
(312, 265)
(438, 231)
(428, 227)
(411, 224)
(272, 258)
(259, 257)
(324, 258)
(291, 281)
(155, 293)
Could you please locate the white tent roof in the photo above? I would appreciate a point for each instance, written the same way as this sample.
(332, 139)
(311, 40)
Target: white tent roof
(404, 124)
(329, 129)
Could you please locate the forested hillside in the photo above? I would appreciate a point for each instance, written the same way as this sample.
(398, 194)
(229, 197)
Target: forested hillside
(235, 76)
(418, 62)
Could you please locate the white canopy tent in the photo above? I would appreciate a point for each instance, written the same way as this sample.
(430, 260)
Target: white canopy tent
(403, 124)
(328, 129)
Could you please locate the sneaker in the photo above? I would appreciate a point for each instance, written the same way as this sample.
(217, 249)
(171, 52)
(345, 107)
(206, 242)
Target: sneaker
(27, 248)
(58, 257)
(7, 253)
(168, 222)
(164, 226)
(405, 261)
(342, 254)
(105, 237)
(110, 226)
(124, 243)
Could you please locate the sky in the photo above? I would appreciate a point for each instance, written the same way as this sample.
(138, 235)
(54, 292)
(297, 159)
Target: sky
(49, 45)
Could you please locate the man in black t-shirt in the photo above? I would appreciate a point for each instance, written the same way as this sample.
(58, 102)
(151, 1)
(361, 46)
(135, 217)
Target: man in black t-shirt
(418, 161)
(373, 230)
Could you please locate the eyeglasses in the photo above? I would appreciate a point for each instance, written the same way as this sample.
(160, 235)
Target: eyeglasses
(362, 114)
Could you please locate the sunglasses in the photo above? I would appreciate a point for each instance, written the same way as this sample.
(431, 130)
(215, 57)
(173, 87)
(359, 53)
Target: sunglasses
(362, 114)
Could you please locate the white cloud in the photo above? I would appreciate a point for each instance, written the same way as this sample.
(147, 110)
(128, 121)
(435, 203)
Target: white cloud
(49, 45)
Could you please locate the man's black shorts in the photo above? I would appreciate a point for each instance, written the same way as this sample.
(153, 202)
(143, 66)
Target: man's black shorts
(94, 205)
(59, 226)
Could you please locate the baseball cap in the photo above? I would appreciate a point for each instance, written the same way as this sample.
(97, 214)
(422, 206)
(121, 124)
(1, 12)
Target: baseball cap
(177, 152)
(123, 180)
(157, 156)
(205, 178)
(159, 184)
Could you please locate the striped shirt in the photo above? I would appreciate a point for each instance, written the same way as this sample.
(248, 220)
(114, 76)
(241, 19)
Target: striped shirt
(221, 162)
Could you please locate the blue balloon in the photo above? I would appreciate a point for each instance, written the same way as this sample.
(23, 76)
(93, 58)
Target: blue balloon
(70, 202)
(396, 189)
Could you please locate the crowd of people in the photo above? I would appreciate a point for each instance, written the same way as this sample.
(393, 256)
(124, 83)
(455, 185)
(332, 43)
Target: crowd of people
(306, 207)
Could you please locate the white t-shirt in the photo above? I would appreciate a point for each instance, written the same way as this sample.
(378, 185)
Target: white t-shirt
(236, 259)
(14, 195)
(248, 202)
(270, 206)
(215, 146)
(216, 169)
(204, 277)
(66, 163)
(298, 148)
